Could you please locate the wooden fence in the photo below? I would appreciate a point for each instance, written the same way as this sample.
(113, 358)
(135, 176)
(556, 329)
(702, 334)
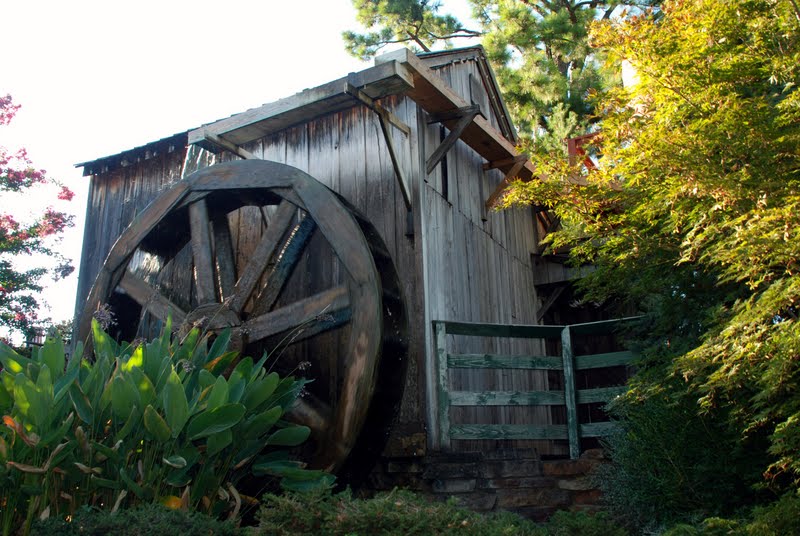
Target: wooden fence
(568, 363)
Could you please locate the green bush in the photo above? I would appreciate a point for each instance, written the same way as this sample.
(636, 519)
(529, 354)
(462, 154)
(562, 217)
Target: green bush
(671, 464)
(144, 423)
(397, 513)
(781, 518)
(143, 520)
(402, 513)
(564, 523)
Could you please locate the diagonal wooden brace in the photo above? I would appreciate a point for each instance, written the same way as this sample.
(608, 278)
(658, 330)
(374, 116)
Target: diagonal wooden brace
(465, 116)
(222, 143)
(386, 118)
(519, 161)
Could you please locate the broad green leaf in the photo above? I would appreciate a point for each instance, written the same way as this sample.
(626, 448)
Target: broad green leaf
(215, 420)
(6, 398)
(164, 372)
(146, 389)
(76, 359)
(236, 387)
(63, 384)
(52, 355)
(178, 462)
(220, 345)
(205, 378)
(106, 451)
(11, 360)
(134, 421)
(176, 407)
(29, 401)
(262, 423)
(219, 393)
(124, 397)
(217, 442)
(221, 364)
(313, 481)
(136, 360)
(289, 437)
(44, 385)
(59, 433)
(130, 483)
(81, 403)
(260, 390)
(105, 482)
(156, 425)
(104, 346)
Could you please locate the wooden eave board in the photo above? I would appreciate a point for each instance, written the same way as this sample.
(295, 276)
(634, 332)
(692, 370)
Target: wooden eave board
(386, 79)
(132, 156)
(477, 54)
(435, 97)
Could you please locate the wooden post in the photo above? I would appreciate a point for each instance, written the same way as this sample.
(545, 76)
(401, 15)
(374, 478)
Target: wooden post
(569, 394)
(440, 334)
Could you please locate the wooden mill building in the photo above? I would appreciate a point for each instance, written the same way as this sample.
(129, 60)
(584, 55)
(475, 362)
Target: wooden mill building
(416, 150)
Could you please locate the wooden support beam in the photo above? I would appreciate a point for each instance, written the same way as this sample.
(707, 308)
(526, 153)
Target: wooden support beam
(510, 176)
(548, 303)
(222, 143)
(455, 114)
(466, 116)
(433, 94)
(370, 103)
(386, 118)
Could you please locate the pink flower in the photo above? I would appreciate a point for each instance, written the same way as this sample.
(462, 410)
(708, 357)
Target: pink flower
(66, 194)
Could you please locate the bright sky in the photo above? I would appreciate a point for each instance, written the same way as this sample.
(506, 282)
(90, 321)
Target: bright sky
(97, 77)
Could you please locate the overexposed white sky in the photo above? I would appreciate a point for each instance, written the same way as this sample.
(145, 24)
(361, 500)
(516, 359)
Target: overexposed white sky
(97, 77)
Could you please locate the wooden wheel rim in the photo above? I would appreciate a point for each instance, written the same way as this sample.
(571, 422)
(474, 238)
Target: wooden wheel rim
(337, 225)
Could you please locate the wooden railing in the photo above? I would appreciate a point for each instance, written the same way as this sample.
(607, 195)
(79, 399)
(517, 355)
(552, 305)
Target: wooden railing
(567, 362)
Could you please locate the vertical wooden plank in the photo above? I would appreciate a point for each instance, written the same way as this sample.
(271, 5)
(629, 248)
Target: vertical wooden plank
(443, 402)
(569, 393)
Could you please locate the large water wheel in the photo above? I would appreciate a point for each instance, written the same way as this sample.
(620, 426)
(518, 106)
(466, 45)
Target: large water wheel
(266, 250)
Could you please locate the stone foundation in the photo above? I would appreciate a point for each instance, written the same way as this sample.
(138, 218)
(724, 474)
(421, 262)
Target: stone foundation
(514, 480)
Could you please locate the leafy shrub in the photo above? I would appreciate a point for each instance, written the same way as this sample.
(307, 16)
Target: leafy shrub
(144, 423)
(402, 513)
(397, 513)
(670, 464)
(781, 518)
(564, 523)
(143, 520)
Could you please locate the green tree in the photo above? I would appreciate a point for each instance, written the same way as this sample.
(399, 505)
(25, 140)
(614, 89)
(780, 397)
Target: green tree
(416, 22)
(538, 48)
(693, 215)
(34, 235)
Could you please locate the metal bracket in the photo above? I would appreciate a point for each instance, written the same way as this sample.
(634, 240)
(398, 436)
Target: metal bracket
(465, 116)
(386, 118)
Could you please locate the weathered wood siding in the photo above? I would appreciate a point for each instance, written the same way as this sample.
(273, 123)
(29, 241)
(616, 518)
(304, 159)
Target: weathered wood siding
(477, 268)
(114, 200)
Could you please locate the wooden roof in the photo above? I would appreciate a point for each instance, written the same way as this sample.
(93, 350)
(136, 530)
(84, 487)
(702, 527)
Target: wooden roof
(399, 72)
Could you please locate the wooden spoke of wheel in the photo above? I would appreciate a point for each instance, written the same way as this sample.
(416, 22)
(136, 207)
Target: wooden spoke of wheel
(201, 252)
(255, 267)
(287, 260)
(151, 299)
(302, 315)
(224, 256)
